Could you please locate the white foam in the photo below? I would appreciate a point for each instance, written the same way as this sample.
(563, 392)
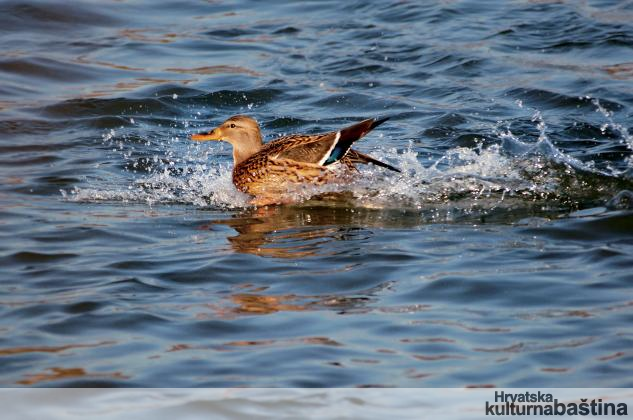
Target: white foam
(194, 174)
(625, 136)
(203, 187)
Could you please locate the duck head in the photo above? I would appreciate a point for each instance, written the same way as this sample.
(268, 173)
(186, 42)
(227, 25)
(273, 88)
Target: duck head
(239, 130)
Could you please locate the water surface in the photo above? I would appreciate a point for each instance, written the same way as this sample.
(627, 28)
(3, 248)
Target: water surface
(501, 256)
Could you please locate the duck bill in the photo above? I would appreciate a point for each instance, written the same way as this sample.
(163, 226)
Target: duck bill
(215, 135)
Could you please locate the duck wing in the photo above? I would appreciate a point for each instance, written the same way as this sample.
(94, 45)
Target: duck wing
(306, 148)
(354, 156)
(321, 149)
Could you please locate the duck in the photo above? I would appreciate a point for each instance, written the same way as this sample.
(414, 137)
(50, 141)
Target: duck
(269, 171)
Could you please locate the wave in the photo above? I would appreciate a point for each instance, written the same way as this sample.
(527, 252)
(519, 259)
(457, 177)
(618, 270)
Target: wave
(508, 173)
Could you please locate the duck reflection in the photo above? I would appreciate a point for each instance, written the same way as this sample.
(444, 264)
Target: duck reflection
(253, 300)
(311, 230)
(307, 230)
(254, 304)
(248, 304)
(266, 304)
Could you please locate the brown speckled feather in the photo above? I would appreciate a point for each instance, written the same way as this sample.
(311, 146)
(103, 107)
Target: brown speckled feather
(298, 158)
(268, 170)
(311, 149)
(297, 153)
(263, 175)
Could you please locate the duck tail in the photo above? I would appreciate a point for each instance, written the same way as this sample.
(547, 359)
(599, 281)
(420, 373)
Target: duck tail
(377, 122)
(357, 157)
(348, 135)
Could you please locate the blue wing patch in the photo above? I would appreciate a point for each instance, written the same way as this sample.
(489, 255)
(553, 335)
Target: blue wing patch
(337, 153)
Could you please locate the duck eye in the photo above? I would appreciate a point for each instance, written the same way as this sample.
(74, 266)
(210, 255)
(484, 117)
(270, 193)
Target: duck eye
(232, 125)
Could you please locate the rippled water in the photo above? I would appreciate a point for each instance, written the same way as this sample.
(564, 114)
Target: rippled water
(502, 255)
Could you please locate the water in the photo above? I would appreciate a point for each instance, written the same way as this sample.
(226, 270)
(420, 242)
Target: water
(501, 256)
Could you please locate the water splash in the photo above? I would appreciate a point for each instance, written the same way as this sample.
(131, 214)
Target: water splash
(509, 169)
(202, 187)
(622, 131)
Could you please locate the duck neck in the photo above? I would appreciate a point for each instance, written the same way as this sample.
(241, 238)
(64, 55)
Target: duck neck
(240, 155)
(244, 150)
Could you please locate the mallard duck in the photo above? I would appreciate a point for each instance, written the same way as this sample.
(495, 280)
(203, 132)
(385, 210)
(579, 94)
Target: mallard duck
(268, 170)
